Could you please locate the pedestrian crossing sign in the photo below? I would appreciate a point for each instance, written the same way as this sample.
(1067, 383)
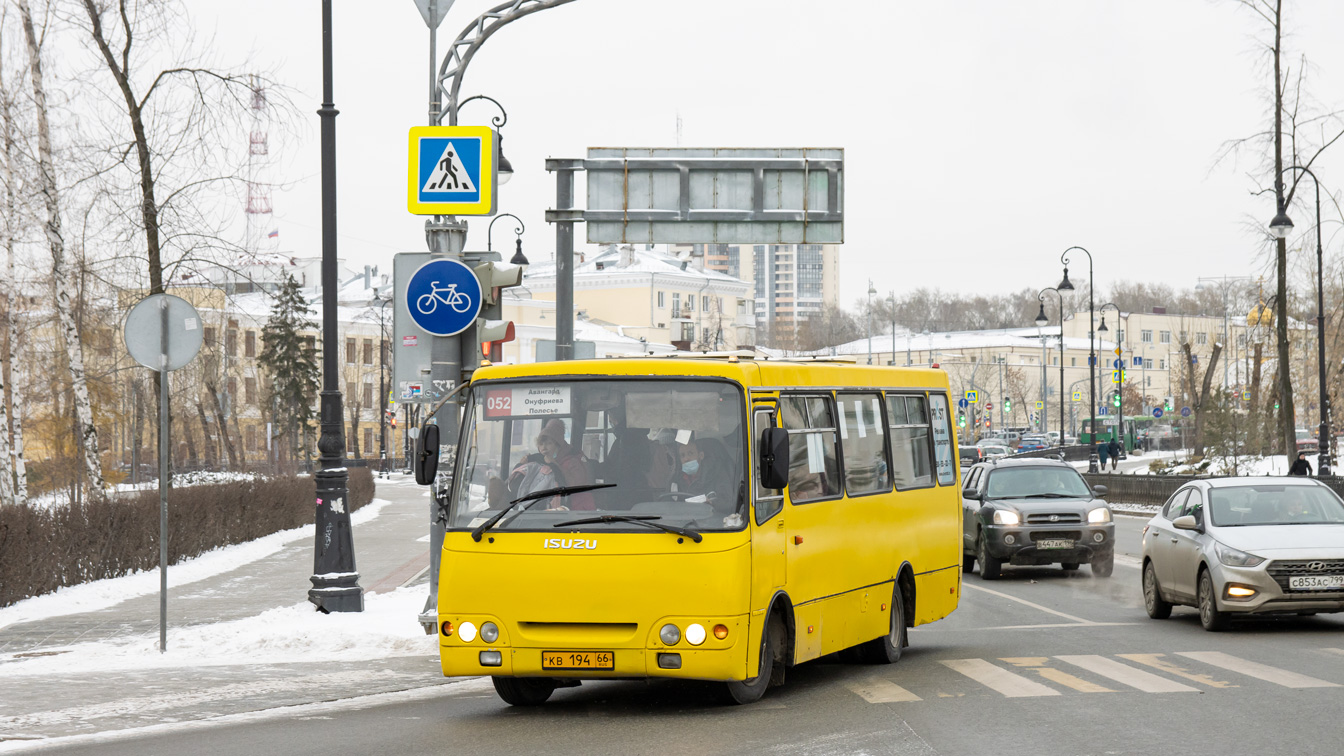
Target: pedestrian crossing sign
(1077, 396)
(452, 170)
(973, 396)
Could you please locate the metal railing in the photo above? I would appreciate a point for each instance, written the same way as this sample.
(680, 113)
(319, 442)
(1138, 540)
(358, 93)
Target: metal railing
(1156, 489)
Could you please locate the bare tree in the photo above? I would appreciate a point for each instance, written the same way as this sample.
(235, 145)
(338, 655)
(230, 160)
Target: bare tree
(1304, 148)
(1198, 397)
(62, 280)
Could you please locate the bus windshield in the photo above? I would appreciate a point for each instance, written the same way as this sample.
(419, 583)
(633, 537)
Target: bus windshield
(668, 451)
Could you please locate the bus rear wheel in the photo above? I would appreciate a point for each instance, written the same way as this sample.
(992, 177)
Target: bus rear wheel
(887, 649)
(750, 691)
(524, 691)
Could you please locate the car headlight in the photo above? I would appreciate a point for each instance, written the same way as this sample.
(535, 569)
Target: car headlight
(1006, 517)
(1235, 557)
(1098, 516)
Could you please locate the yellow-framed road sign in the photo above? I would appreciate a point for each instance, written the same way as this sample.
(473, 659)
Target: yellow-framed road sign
(451, 170)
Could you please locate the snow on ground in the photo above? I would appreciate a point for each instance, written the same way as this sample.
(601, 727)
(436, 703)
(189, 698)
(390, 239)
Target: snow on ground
(100, 594)
(278, 636)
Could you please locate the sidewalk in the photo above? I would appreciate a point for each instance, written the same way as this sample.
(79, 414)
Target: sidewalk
(241, 640)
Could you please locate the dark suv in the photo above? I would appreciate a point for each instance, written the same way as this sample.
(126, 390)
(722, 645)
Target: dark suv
(1033, 512)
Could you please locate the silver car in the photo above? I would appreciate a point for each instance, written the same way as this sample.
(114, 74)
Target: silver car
(1242, 546)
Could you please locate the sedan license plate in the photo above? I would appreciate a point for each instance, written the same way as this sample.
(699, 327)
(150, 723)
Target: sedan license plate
(578, 660)
(1316, 582)
(1054, 543)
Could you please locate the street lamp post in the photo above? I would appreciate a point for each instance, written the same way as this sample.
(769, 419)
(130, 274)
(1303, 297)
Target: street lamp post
(383, 345)
(335, 581)
(871, 292)
(1067, 285)
(1280, 227)
(1119, 375)
(1041, 320)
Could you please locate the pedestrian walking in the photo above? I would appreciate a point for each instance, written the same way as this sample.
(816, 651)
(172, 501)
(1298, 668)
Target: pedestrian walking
(1113, 448)
(1102, 450)
(1301, 466)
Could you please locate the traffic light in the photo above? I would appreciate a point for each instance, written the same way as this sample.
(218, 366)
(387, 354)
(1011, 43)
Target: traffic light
(492, 334)
(961, 419)
(1115, 399)
(495, 276)
(491, 330)
(1167, 405)
(1007, 404)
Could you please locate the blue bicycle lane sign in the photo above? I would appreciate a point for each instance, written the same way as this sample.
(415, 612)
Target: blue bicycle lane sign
(443, 297)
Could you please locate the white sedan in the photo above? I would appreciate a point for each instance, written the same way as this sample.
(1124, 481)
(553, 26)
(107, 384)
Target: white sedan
(1240, 546)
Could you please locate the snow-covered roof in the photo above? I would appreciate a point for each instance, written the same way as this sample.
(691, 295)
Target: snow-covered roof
(638, 260)
(1013, 338)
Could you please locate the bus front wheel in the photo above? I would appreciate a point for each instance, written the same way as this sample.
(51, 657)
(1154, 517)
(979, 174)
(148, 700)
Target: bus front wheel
(750, 691)
(524, 691)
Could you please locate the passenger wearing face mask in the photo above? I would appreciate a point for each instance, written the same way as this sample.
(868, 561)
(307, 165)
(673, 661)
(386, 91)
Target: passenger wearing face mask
(702, 473)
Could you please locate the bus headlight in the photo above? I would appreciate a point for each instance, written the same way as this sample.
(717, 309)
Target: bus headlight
(489, 632)
(670, 634)
(467, 632)
(695, 634)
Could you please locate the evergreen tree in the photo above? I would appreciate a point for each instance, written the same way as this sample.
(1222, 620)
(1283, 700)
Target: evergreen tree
(292, 363)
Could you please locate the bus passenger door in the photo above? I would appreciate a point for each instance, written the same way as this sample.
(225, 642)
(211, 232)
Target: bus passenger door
(768, 563)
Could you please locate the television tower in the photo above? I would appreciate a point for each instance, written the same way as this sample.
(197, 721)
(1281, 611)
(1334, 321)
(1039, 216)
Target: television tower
(260, 223)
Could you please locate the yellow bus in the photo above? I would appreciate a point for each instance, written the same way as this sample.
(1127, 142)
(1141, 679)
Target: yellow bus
(714, 518)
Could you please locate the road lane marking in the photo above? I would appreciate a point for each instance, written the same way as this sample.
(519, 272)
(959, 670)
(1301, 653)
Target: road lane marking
(1157, 662)
(1023, 627)
(1008, 683)
(1127, 675)
(1257, 670)
(878, 690)
(1335, 651)
(1024, 602)
(1040, 665)
(1125, 560)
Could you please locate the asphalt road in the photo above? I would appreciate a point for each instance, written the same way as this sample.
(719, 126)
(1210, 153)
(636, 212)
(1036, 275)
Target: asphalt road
(1040, 662)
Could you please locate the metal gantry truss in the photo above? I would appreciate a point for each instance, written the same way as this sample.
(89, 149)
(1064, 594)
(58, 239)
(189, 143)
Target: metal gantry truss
(462, 49)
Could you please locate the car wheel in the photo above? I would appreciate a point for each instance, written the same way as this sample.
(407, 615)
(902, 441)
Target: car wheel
(1152, 595)
(989, 566)
(967, 564)
(750, 691)
(1209, 616)
(1103, 566)
(887, 649)
(523, 691)
(1069, 566)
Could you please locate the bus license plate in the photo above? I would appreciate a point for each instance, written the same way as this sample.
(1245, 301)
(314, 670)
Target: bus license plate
(578, 660)
(1054, 543)
(1316, 582)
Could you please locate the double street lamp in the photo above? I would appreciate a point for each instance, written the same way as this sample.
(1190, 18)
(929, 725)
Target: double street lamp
(1067, 285)
(1280, 227)
(1041, 321)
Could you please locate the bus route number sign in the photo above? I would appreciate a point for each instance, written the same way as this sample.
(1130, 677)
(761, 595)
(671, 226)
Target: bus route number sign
(528, 401)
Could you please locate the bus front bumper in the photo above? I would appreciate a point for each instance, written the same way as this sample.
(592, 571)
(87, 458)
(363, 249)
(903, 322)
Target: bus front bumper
(714, 659)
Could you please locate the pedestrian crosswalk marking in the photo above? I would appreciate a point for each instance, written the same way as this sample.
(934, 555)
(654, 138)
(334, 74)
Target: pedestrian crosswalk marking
(999, 679)
(1157, 662)
(877, 690)
(1258, 671)
(1127, 675)
(1040, 665)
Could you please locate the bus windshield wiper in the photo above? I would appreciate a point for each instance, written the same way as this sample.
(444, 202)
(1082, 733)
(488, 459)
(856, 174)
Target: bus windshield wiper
(533, 498)
(647, 520)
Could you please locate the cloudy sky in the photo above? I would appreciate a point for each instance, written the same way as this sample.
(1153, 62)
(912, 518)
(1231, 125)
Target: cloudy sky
(981, 137)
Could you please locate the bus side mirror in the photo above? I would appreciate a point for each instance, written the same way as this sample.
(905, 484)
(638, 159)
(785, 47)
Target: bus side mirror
(427, 455)
(774, 458)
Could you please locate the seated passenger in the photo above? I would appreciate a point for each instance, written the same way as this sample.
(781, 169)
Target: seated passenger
(572, 465)
(706, 474)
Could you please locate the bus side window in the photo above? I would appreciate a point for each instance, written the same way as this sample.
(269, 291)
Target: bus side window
(814, 467)
(769, 501)
(910, 447)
